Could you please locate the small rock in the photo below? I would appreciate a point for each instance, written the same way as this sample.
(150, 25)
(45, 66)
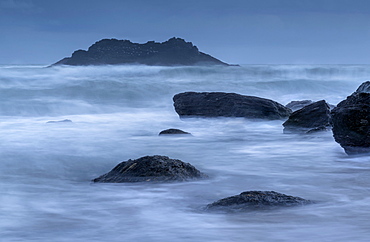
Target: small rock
(252, 200)
(151, 169)
(173, 132)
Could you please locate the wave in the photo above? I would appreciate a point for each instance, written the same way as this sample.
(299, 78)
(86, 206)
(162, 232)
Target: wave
(35, 90)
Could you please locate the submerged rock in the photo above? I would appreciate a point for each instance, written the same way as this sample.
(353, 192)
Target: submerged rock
(311, 118)
(252, 200)
(174, 51)
(220, 104)
(296, 105)
(60, 121)
(351, 122)
(151, 169)
(173, 131)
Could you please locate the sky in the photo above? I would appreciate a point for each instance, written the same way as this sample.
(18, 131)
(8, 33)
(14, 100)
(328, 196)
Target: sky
(234, 31)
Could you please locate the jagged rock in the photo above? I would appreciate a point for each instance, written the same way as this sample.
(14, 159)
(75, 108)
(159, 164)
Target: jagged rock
(151, 169)
(173, 131)
(296, 105)
(220, 104)
(351, 121)
(311, 118)
(174, 51)
(364, 87)
(60, 121)
(252, 200)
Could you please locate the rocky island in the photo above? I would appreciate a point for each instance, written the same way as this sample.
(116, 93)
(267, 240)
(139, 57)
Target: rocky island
(173, 52)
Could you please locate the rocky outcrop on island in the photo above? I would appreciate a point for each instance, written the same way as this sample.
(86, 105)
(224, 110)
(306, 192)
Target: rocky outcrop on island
(220, 104)
(252, 200)
(351, 121)
(173, 132)
(311, 118)
(172, 52)
(151, 169)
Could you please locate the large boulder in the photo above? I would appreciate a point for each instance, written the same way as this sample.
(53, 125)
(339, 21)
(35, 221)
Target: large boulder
(220, 104)
(351, 121)
(151, 169)
(310, 118)
(174, 51)
(252, 200)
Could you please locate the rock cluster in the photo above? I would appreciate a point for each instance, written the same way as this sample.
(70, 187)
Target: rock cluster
(350, 122)
(172, 52)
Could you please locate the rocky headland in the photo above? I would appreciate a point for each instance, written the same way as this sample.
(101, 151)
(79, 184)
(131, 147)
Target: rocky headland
(173, 52)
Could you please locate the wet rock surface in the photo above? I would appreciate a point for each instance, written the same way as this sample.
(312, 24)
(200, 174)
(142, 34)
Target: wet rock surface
(364, 87)
(351, 122)
(151, 169)
(220, 104)
(251, 200)
(309, 119)
(172, 52)
(296, 105)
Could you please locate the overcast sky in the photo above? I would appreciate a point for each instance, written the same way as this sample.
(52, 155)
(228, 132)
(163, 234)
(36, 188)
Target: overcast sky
(234, 31)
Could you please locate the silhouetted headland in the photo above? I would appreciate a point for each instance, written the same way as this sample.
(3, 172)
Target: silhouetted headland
(173, 52)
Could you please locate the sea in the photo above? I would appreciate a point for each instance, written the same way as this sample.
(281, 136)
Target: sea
(115, 113)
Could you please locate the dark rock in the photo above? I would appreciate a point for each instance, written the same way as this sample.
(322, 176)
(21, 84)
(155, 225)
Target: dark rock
(151, 169)
(311, 118)
(60, 121)
(351, 122)
(174, 51)
(220, 104)
(173, 131)
(252, 200)
(296, 105)
(364, 88)
(318, 129)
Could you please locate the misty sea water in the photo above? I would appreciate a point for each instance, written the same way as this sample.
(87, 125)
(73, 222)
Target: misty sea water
(117, 112)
